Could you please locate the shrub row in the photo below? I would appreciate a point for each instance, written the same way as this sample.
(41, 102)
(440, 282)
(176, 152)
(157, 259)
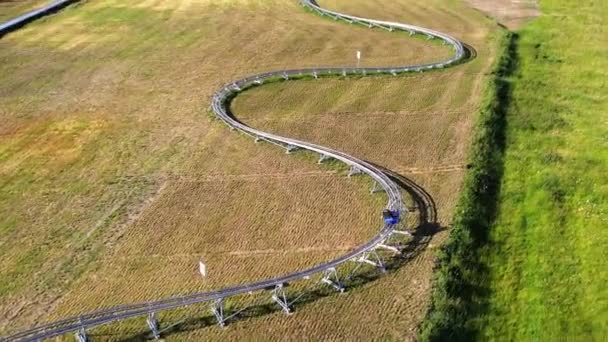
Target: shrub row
(458, 272)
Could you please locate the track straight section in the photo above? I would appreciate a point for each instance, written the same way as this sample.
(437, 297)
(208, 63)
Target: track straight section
(21, 20)
(327, 272)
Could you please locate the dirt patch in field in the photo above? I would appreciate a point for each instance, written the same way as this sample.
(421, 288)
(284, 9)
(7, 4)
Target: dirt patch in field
(10, 9)
(510, 13)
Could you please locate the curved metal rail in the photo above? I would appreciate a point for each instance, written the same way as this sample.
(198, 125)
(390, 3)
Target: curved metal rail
(219, 105)
(21, 20)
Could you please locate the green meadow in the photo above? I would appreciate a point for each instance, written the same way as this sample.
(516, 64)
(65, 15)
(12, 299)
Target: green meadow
(547, 251)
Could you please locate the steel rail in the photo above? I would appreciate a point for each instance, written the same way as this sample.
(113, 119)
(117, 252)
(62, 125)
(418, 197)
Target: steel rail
(219, 105)
(21, 20)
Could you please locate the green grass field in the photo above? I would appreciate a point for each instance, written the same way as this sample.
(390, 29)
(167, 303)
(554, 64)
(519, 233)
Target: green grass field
(548, 253)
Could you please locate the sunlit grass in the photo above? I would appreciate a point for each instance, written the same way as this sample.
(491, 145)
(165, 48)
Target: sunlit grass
(104, 126)
(14, 8)
(548, 252)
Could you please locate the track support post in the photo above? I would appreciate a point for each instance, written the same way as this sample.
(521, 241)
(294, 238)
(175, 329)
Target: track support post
(330, 277)
(354, 171)
(290, 148)
(402, 232)
(323, 158)
(279, 296)
(372, 258)
(376, 188)
(388, 247)
(217, 308)
(153, 325)
(81, 335)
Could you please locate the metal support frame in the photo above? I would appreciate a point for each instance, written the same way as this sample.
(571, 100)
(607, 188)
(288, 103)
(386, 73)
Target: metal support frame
(388, 28)
(395, 242)
(387, 247)
(81, 335)
(290, 148)
(372, 258)
(376, 188)
(323, 158)
(279, 296)
(217, 308)
(153, 325)
(330, 273)
(402, 232)
(354, 171)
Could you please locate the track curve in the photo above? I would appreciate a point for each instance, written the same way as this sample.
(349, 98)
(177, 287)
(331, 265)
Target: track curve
(219, 105)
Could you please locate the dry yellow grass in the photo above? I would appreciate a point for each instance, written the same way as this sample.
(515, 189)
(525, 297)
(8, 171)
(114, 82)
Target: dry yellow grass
(115, 181)
(10, 9)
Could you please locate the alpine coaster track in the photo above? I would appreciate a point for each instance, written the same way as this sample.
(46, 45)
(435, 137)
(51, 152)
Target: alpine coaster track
(364, 254)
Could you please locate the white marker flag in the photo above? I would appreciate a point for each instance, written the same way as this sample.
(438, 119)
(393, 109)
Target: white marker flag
(358, 54)
(202, 268)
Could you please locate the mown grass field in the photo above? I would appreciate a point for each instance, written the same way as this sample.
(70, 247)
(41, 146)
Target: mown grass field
(116, 181)
(547, 253)
(13, 8)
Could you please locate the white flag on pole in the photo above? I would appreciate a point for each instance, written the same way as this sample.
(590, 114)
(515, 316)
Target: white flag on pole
(358, 54)
(202, 268)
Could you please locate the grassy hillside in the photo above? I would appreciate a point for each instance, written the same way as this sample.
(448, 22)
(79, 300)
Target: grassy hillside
(533, 267)
(547, 251)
